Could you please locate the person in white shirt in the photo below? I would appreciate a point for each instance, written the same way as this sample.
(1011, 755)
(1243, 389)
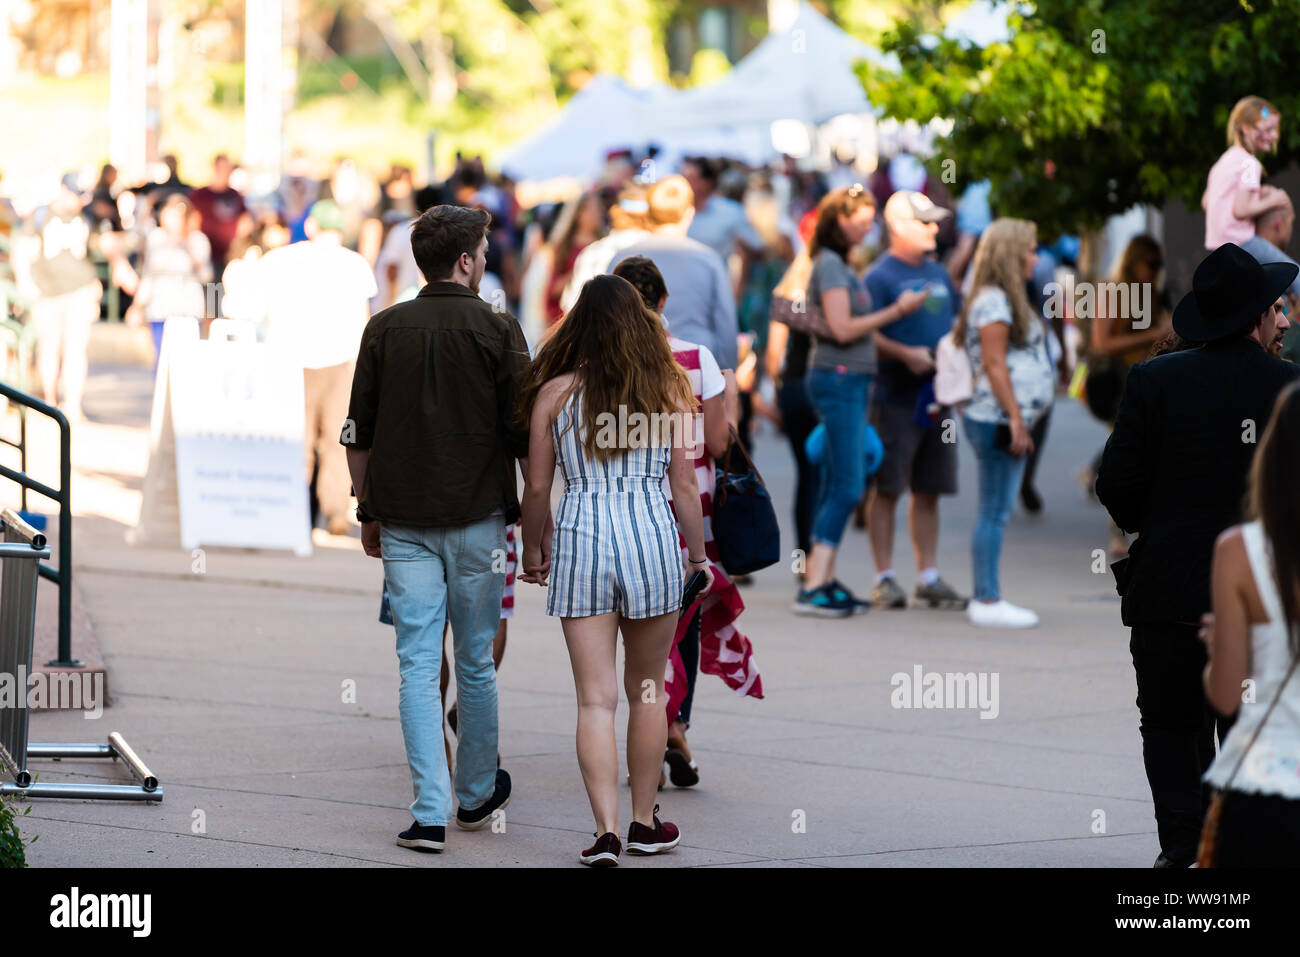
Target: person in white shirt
(316, 307)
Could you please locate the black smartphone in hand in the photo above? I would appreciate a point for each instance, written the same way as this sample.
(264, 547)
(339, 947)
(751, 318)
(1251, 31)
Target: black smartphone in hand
(694, 585)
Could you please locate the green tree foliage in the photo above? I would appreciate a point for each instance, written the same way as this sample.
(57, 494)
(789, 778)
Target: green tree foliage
(13, 847)
(497, 68)
(1094, 106)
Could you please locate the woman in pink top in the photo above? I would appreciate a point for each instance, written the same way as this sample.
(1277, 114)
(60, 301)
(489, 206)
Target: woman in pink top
(1234, 196)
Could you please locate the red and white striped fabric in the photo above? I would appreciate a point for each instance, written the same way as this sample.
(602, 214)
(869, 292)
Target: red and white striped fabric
(724, 650)
(508, 593)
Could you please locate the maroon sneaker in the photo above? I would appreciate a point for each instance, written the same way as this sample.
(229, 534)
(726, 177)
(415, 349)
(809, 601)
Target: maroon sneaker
(652, 840)
(604, 853)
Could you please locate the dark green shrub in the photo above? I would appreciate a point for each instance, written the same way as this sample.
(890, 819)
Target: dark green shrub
(13, 847)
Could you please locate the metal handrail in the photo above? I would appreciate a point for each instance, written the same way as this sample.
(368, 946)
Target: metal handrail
(61, 576)
(18, 581)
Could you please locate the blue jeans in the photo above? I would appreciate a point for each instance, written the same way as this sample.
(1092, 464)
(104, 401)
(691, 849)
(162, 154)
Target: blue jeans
(999, 481)
(434, 574)
(841, 400)
(1266, 252)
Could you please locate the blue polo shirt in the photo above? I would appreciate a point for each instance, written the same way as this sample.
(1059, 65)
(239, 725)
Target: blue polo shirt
(886, 280)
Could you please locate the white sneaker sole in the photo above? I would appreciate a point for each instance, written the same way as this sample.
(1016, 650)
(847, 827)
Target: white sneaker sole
(603, 859)
(817, 611)
(1021, 625)
(420, 844)
(653, 848)
(485, 821)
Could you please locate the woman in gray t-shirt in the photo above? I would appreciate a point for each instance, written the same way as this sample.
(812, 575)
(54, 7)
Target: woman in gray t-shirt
(839, 379)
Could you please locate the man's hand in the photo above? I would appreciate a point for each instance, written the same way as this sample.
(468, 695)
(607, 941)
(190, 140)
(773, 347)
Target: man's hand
(918, 360)
(910, 300)
(1206, 634)
(370, 539)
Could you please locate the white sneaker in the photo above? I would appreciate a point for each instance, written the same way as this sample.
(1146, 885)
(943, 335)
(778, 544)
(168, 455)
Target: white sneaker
(1000, 614)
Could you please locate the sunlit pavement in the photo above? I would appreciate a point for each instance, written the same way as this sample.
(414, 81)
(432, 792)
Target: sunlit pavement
(231, 684)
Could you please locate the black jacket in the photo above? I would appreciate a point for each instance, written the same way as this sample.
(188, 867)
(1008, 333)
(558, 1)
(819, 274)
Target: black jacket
(433, 397)
(1175, 468)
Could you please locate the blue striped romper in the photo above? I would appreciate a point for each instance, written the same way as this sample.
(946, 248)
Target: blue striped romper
(615, 546)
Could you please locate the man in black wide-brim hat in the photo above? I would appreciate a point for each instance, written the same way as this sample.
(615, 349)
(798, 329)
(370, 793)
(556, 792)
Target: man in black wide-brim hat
(1174, 472)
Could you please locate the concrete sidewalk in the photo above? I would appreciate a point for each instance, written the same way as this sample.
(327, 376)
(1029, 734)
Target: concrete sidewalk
(230, 685)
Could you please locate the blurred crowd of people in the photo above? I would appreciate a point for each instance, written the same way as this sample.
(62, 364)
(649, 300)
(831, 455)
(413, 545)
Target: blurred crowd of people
(864, 320)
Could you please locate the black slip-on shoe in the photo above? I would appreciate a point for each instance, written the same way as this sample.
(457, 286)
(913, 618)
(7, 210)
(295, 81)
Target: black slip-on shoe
(473, 819)
(423, 837)
(682, 771)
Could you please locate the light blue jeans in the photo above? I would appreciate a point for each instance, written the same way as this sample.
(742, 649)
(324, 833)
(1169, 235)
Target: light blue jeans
(434, 574)
(1266, 252)
(999, 482)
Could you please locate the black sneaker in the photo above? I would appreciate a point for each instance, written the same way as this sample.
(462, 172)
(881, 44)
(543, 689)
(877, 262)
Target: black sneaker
(822, 602)
(1032, 500)
(472, 820)
(423, 838)
(842, 594)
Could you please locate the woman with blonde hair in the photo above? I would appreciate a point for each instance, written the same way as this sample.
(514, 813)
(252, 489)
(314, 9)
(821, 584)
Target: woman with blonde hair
(1014, 387)
(616, 565)
(1234, 196)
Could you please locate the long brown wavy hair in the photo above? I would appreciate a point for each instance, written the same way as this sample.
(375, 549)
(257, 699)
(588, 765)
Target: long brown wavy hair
(1274, 477)
(617, 351)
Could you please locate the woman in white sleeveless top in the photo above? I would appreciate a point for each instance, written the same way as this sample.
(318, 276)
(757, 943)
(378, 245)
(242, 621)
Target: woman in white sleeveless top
(1253, 640)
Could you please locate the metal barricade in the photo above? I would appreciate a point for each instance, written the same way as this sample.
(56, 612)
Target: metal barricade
(61, 576)
(20, 552)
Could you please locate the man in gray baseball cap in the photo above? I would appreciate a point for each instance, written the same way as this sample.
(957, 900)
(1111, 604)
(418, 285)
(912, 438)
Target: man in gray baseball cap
(903, 408)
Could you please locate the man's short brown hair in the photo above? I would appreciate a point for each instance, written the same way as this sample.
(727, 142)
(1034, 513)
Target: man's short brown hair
(444, 232)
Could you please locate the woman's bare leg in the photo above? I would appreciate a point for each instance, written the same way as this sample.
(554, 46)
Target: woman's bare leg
(593, 646)
(646, 643)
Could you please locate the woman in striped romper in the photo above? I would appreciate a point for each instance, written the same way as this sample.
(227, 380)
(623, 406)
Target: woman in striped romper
(600, 388)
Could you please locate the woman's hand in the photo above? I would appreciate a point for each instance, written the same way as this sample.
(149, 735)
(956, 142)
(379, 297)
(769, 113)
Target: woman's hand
(709, 577)
(537, 567)
(1021, 443)
(1206, 632)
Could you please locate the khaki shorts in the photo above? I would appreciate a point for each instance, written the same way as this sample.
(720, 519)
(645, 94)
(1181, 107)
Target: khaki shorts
(916, 457)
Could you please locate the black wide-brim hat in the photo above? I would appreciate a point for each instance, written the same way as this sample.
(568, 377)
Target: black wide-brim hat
(1229, 292)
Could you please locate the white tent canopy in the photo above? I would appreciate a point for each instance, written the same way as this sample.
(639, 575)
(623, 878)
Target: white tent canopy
(604, 115)
(802, 73)
(982, 23)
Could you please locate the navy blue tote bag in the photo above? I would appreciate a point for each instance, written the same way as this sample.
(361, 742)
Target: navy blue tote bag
(745, 529)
